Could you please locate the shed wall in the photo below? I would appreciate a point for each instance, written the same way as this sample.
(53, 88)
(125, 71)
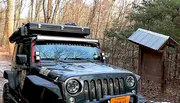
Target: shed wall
(152, 64)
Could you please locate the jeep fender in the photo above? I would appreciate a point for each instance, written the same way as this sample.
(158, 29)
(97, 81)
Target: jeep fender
(137, 77)
(12, 78)
(34, 85)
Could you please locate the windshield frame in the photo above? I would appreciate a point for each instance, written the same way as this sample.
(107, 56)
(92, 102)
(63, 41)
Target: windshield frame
(59, 42)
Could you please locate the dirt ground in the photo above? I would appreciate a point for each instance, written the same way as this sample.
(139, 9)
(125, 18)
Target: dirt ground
(4, 65)
(152, 92)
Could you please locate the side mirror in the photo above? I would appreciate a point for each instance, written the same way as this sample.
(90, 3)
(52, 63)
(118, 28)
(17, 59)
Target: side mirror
(21, 59)
(105, 56)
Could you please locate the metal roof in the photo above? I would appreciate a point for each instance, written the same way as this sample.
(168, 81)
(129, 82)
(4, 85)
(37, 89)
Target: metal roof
(149, 39)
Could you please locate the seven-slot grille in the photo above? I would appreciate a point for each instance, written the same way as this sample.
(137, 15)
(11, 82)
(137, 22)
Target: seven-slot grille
(94, 90)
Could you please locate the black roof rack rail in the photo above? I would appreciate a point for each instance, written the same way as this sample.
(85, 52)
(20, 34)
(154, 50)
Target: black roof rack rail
(36, 28)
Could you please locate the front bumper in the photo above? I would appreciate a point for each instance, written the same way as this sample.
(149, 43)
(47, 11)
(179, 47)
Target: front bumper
(133, 98)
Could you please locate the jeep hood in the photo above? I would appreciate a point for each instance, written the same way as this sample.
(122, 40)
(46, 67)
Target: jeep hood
(78, 69)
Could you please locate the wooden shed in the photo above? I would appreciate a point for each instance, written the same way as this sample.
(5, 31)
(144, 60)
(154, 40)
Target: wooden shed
(153, 49)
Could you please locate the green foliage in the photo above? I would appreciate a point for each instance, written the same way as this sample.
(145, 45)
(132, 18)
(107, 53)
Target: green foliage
(162, 16)
(118, 32)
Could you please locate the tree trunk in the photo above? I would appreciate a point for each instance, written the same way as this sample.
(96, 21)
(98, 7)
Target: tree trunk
(92, 14)
(107, 23)
(47, 10)
(44, 11)
(32, 9)
(112, 50)
(97, 26)
(125, 53)
(37, 10)
(10, 22)
(4, 38)
(18, 13)
(55, 10)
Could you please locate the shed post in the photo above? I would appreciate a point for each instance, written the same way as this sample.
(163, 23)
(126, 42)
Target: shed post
(164, 69)
(139, 71)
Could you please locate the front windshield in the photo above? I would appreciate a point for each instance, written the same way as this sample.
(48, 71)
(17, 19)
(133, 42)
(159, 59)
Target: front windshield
(66, 52)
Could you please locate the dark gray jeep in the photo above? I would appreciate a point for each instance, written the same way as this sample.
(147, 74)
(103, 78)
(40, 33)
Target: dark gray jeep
(57, 64)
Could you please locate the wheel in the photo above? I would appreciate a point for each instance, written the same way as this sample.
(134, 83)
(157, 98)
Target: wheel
(6, 91)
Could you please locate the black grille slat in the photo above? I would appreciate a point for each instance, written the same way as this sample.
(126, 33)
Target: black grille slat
(116, 87)
(96, 89)
(99, 89)
(86, 90)
(111, 87)
(105, 87)
(122, 89)
(93, 90)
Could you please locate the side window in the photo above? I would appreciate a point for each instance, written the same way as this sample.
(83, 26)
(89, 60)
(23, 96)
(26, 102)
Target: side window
(24, 48)
(20, 49)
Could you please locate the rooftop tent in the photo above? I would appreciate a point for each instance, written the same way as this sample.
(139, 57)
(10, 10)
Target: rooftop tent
(35, 28)
(151, 39)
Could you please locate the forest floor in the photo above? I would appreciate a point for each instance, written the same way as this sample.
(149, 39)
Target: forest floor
(150, 90)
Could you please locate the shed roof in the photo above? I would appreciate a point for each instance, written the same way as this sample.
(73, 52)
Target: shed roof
(150, 39)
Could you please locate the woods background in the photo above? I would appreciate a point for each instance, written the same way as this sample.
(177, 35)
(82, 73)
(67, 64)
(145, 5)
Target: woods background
(100, 15)
(111, 21)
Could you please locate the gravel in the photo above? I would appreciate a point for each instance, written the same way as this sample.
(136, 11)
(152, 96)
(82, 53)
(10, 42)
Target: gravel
(4, 65)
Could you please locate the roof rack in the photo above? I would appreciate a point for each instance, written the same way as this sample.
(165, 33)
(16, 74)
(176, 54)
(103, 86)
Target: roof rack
(36, 28)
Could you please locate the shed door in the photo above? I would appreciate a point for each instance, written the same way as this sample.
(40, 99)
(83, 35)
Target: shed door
(152, 65)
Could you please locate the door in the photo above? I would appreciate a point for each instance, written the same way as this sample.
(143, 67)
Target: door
(23, 49)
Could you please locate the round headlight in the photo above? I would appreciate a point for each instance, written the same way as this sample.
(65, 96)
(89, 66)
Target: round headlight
(130, 81)
(73, 86)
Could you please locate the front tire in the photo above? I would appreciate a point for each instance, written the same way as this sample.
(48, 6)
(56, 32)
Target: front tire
(6, 92)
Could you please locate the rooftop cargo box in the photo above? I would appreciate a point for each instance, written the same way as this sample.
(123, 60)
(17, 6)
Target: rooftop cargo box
(35, 28)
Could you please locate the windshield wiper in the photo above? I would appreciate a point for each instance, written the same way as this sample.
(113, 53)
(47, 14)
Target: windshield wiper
(86, 59)
(48, 59)
(53, 59)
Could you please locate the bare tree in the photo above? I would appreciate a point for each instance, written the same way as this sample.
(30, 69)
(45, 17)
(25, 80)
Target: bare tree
(17, 15)
(98, 20)
(54, 13)
(108, 17)
(4, 36)
(32, 9)
(38, 9)
(10, 22)
(47, 10)
(92, 14)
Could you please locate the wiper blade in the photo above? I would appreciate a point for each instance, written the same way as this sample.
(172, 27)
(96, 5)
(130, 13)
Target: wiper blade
(48, 59)
(87, 59)
(53, 59)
